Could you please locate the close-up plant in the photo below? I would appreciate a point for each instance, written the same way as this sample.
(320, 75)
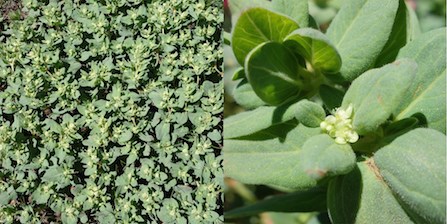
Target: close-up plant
(345, 122)
(111, 111)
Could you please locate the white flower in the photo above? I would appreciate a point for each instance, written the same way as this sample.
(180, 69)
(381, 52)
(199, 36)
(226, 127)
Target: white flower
(339, 126)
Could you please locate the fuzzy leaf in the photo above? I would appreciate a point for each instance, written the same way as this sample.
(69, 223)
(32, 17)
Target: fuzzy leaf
(414, 166)
(249, 122)
(271, 156)
(362, 197)
(376, 94)
(309, 113)
(321, 157)
(427, 94)
(246, 97)
(360, 31)
(296, 9)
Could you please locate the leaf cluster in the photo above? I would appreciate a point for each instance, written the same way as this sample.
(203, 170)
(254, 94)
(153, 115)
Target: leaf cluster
(110, 112)
(372, 77)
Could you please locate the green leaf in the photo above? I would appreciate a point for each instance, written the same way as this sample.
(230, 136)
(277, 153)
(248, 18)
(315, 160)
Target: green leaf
(215, 135)
(277, 156)
(227, 38)
(273, 161)
(362, 197)
(322, 157)
(40, 196)
(69, 218)
(400, 125)
(272, 71)
(7, 195)
(376, 94)
(360, 31)
(237, 7)
(74, 66)
(316, 48)
(321, 14)
(53, 174)
(427, 93)
(414, 166)
(296, 9)
(249, 122)
(256, 26)
(246, 97)
(85, 55)
(332, 97)
(125, 136)
(238, 74)
(398, 37)
(302, 201)
(413, 26)
(309, 113)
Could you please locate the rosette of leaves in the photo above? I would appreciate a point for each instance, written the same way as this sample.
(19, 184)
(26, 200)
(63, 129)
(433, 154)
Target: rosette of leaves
(110, 112)
(352, 121)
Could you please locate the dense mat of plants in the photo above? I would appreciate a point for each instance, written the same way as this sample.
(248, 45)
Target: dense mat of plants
(348, 122)
(110, 111)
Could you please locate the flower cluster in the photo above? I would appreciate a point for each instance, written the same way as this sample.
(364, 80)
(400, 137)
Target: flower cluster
(110, 111)
(339, 126)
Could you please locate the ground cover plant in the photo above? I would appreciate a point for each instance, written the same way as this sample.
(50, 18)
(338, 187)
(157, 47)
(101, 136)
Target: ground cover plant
(110, 112)
(350, 120)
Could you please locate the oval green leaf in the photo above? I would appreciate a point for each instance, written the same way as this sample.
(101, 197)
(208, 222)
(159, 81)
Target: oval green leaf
(296, 9)
(272, 71)
(362, 197)
(246, 97)
(270, 157)
(427, 94)
(256, 26)
(322, 157)
(286, 156)
(360, 31)
(414, 166)
(316, 48)
(249, 122)
(376, 94)
(309, 113)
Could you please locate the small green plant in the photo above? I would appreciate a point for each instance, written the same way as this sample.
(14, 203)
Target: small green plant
(110, 112)
(352, 119)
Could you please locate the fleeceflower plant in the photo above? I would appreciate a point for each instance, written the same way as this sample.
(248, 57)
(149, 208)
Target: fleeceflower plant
(387, 136)
(339, 126)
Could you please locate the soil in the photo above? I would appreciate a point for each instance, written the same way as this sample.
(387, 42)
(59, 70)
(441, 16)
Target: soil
(7, 6)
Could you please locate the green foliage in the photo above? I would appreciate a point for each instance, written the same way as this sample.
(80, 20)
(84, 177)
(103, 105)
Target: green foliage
(376, 94)
(110, 112)
(360, 31)
(361, 196)
(421, 189)
(310, 200)
(357, 111)
(429, 52)
(256, 26)
(309, 113)
(273, 80)
(314, 46)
